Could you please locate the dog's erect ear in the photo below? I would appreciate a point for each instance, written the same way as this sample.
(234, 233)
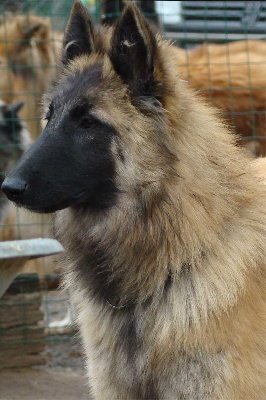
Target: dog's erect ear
(38, 28)
(133, 51)
(15, 108)
(33, 27)
(79, 33)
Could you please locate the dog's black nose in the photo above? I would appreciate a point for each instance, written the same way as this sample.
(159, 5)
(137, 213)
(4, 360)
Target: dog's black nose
(13, 187)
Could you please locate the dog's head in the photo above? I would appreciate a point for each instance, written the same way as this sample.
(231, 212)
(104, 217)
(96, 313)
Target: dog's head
(105, 131)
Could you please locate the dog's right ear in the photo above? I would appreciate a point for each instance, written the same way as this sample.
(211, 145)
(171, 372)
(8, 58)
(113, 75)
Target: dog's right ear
(79, 33)
(133, 51)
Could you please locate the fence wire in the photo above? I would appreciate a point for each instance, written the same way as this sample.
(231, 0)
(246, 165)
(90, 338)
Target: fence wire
(220, 49)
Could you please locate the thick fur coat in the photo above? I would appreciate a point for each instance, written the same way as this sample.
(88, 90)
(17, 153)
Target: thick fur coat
(162, 217)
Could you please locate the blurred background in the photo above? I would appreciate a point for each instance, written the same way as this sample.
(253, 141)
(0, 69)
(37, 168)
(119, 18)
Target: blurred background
(220, 49)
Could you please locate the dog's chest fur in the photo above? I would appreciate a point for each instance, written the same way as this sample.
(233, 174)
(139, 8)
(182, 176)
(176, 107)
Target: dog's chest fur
(134, 356)
(136, 351)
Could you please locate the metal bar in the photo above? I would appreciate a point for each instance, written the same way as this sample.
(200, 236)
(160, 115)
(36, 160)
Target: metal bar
(14, 254)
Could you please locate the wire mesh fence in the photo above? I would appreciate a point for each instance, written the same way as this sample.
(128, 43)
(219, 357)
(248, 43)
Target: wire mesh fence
(220, 49)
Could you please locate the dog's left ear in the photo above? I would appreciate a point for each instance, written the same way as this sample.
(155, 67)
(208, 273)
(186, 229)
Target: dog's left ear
(15, 108)
(79, 37)
(35, 28)
(133, 51)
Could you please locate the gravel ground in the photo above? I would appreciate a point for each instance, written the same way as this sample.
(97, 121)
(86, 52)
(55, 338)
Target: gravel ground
(39, 384)
(61, 378)
(63, 375)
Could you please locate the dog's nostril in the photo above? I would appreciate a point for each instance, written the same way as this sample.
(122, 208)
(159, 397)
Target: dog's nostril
(14, 187)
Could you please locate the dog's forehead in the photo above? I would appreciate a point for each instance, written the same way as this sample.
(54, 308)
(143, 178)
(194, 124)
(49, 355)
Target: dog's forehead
(81, 83)
(90, 83)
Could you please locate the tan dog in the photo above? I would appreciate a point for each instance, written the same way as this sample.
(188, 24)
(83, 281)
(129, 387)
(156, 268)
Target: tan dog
(232, 77)
(27, 46)
(28, 54)
(162, 217)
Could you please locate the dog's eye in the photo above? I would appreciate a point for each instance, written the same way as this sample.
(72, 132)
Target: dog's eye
(88, 123)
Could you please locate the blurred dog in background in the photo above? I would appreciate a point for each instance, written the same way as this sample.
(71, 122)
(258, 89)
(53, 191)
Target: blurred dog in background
(14, 140)
(232, 77)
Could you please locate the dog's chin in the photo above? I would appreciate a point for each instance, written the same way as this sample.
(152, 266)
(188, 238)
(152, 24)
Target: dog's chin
(48, 208)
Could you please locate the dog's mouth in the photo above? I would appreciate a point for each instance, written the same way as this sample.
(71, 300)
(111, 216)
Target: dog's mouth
(46, 208)
(43, 209)
(80, 195)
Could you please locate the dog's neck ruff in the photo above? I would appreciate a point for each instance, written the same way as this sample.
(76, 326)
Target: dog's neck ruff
(115, 302)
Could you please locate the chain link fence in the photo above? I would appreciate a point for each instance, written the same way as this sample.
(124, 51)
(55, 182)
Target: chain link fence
(220, 50)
